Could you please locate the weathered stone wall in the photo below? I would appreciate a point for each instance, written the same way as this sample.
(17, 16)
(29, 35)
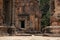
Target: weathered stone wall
(12, 12)
(29, 10)
(55, 12)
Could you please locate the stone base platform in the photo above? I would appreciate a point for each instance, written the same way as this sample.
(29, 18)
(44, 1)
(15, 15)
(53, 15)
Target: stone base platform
(52, 30)
(3, 31)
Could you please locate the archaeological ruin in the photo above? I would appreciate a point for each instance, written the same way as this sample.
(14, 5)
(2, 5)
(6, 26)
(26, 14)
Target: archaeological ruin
(54, 17)
(24, 17)
(19, 16)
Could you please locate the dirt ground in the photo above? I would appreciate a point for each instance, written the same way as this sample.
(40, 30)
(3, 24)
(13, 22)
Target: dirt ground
(28, 38)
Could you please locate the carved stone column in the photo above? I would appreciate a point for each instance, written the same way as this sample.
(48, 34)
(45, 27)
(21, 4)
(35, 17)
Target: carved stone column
(1, 12)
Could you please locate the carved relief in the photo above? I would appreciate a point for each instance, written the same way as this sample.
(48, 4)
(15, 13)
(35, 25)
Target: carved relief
(27, 9)
(55, 14)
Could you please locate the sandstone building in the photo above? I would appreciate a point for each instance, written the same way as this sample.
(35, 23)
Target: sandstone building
(19, 16)
(54, 17)
(55, 12)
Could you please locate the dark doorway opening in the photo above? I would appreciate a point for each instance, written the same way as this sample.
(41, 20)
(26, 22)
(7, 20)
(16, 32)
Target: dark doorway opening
(22, 24)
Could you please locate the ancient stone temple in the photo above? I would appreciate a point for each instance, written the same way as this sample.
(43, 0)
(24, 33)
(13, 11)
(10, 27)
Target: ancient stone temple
(55, 16)
(55, 12)
(19, 16)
